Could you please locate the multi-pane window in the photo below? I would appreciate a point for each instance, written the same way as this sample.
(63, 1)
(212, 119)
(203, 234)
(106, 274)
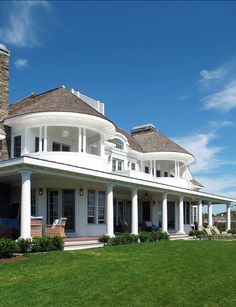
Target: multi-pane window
(158, 173)
(101, 207)
(146, 169)
(33, 202)
(17, 146)
(60, 147)
(91, 207)
(53, 201)
(119, 144)
(117, 165)
(133, 166)
(165, 174)
(36, 144)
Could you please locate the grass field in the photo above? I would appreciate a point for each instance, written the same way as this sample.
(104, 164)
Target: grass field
(170, 273)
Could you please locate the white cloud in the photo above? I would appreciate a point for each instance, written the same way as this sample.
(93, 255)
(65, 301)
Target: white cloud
(21, 29)
(212, 74)
(220, 124)
(223, 100)
(21, 63)
(205, 156)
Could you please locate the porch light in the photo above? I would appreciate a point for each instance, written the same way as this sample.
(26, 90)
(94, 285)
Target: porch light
(109, 158)
(146, 195)
(81, 191)
(40, 191)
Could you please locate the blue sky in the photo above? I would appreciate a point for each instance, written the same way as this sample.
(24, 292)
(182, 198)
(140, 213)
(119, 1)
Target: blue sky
(172, 64)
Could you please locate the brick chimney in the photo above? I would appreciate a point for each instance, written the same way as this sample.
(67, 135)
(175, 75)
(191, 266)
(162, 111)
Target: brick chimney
(4, 91)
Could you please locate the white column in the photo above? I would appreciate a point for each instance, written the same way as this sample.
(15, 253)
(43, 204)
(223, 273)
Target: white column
(110, 214)
(164, 213)
(79, 139)
(210, 213)
(181, 215)
(45, 138)
(228, 225)
(25, 230)
(84, 140)
(200, 212)
(134, 213)
(40, 139)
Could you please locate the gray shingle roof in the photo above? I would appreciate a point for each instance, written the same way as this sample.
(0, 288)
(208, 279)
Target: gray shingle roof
(55, 100)
(154, 141)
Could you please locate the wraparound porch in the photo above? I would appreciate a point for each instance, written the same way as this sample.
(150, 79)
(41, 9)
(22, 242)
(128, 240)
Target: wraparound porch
(93, 207)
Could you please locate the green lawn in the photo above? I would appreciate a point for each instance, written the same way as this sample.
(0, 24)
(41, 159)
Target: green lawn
(170, 273)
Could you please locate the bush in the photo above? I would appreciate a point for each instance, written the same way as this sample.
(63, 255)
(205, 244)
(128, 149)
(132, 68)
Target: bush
(7, 248)
(24, 245)
(162, 235)
(104, 239)
(124, 238)
(145, 236)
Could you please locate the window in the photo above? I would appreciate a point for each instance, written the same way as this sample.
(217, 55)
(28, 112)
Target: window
(165, 174)
(33, 202)
(91, 207)
(36, 146)
(101, 207)
(133, 166)
(60, 147)
(119, 144)
(117, 165)
(17, 146)
(158, 173)
(146, 169)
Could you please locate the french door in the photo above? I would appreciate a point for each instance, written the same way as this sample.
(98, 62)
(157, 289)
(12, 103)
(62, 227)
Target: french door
(61, 203)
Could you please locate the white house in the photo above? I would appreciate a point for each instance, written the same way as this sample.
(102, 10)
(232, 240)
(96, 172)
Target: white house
(61, 156)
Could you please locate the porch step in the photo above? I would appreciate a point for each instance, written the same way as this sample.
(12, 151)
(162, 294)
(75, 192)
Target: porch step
(176, 236)
(81, 243)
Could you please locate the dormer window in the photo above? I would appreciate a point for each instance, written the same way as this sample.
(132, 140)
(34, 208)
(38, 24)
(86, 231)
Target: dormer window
(119, 144)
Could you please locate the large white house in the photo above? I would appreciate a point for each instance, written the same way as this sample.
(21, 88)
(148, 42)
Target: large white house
(61, 156)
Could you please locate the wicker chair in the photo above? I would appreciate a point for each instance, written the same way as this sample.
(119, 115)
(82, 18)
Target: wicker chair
(56, 229)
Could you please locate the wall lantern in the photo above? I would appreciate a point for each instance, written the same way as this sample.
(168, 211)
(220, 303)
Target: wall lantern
(81, 191)
(40, 191)
(109, 158)
(146, 195)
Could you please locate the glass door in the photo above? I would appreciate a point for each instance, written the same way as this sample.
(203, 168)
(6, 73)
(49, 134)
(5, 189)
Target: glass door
(68, 209)
(53, 206)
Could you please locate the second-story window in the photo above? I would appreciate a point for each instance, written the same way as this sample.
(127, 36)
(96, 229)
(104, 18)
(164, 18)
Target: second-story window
(119, 144)
(36, 145)
(146, 169)
(133, 166)
(158, 173)
(117, 165)
(165, 174)
(17, 146)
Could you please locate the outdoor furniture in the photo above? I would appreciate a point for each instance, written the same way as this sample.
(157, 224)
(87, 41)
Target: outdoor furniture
(57, 228)
(214, 230)
(36, 226)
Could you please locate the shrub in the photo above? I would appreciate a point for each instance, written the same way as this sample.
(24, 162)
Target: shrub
(24, 245)
(233, 231)
(145, 236)
(162, 235)
(104, 239)
(7, 248)
(58, 243)
(124, 238)
(36, 245)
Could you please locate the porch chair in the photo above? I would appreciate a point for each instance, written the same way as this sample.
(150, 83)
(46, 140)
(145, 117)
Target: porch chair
(214, 230)
(57, 228)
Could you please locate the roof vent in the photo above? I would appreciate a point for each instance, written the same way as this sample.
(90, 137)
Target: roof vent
(143, 128)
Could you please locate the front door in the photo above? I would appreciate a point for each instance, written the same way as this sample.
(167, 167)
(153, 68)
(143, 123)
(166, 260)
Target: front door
(171, 214)
(61, 203)
(146, 211)
(68, 209)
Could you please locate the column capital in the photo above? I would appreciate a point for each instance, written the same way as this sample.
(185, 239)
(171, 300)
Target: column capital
(134, 190)
(26, 174)
(110, 187)
(199, 201)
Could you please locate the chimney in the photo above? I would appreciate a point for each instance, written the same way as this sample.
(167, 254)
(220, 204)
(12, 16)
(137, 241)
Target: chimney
(4, 79)
(5, 131)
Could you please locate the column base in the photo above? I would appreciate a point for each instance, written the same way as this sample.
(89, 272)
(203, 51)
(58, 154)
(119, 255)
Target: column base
(110, 235)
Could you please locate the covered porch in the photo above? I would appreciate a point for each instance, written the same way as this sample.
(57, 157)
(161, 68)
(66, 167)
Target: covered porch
(95, 205)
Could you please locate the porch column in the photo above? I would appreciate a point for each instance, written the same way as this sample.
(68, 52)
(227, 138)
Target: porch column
(200, 212)
(25, 229)
(134, 213)
(110, 214)
(164, 212)
(228, 217)
(210, 213)
(45, 139)
(181, 215)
